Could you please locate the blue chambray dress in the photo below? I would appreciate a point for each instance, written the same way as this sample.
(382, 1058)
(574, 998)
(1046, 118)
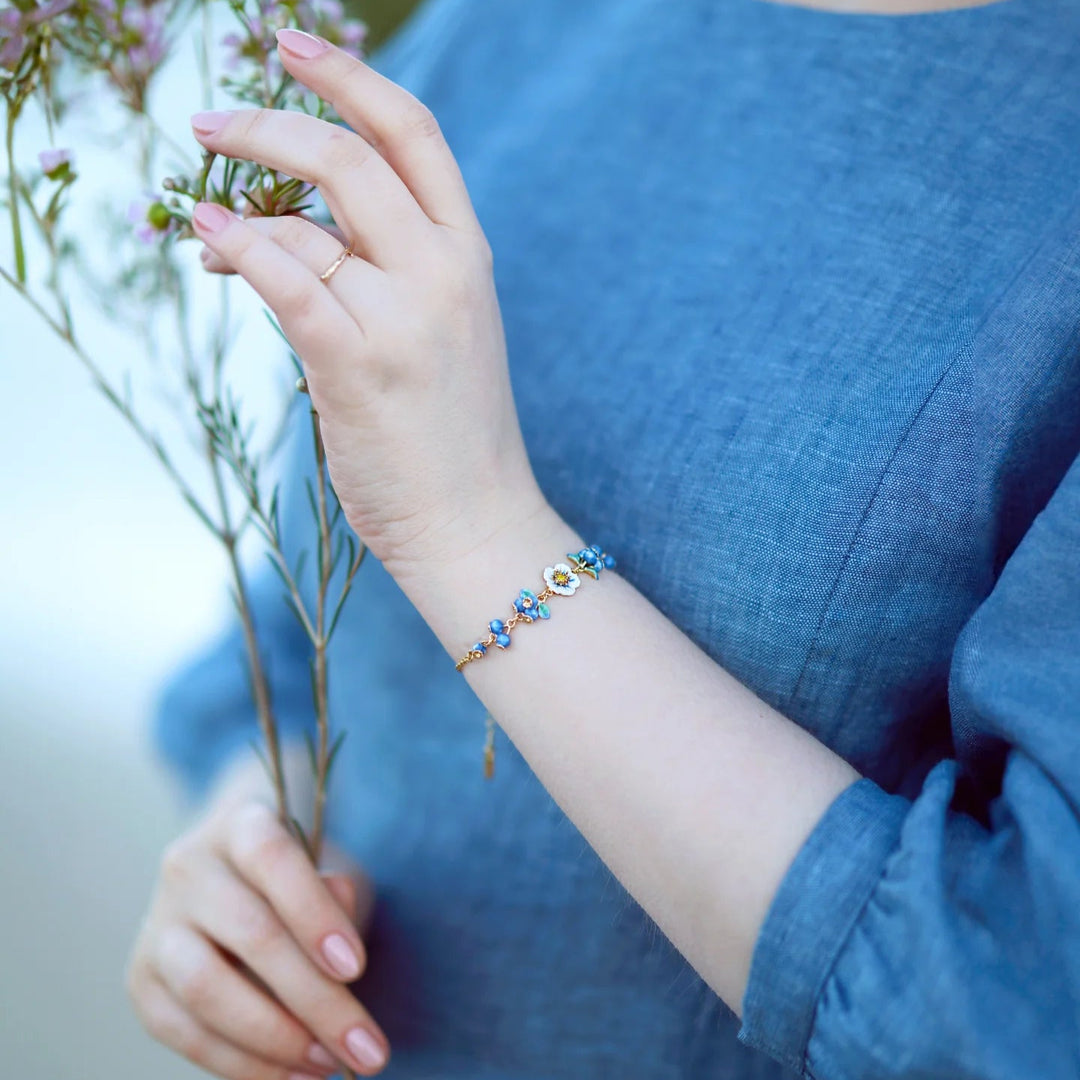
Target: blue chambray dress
(813, 284)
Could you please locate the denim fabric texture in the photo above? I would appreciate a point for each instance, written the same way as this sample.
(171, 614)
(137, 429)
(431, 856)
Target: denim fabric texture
(813, 284)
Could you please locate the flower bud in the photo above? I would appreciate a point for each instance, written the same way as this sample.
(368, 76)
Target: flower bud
(55, 164)
(158, 215)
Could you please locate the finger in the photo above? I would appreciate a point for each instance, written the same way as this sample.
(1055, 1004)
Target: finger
(400, 127)
(214, 264)
(170, 1023)
(343, 889)
(231, 914)
(271, 860)
(311, 317)
(365, 196)
(223, 1000)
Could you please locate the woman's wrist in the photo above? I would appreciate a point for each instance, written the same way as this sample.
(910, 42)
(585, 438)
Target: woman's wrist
(458, 597)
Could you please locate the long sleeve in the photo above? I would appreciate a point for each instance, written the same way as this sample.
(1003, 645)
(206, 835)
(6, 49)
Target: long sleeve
(939, 936)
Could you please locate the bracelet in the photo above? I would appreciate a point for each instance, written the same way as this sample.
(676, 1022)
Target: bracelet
(561, 580)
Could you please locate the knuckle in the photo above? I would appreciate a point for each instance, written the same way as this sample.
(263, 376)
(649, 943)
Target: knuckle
(344, 150)
(249, 122)
(257, 929)
(189, 1042)
(248, 828)
(194, 983)
(416, 121)
(483, 254)
(291, 233)
(304, 305)
(176, 861)
(185, 967)
(161, 1026)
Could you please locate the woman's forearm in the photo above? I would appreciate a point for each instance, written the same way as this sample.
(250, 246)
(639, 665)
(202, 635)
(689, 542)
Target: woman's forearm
(694, 792)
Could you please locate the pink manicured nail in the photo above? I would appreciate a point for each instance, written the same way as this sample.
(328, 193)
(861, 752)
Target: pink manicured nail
(210, 217)
(306, 46)
(341, 957)
(319, 1055)
(365, 1048)
(206, 123)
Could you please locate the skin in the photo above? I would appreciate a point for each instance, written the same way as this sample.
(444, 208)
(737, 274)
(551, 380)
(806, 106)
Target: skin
(405, 358)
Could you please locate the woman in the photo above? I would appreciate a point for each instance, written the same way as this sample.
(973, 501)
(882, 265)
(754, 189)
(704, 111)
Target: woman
(791, 316)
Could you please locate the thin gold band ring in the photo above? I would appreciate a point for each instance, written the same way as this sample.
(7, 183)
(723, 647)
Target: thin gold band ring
(328, 273)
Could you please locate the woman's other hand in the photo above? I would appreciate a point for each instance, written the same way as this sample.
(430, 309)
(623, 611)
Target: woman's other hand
(402, 346)
(243, 959)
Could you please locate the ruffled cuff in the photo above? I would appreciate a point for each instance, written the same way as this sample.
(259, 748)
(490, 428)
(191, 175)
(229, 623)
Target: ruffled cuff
(818, 902)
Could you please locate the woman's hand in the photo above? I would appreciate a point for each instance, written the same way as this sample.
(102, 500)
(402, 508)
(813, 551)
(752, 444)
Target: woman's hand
(242, 961)
(403, 346)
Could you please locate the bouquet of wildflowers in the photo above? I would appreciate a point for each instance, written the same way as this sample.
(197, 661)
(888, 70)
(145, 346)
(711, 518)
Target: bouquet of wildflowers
(50, 52)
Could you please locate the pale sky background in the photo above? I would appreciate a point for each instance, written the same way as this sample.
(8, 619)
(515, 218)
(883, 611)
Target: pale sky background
(106, 581)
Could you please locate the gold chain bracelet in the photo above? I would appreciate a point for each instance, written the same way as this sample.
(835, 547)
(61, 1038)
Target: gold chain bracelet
(560, 580)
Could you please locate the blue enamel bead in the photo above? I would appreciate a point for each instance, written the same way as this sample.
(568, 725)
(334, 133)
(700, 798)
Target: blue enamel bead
(587, 555)
(481, 648)
(495, 626)
(502, 640)
(526, 602)
(609, 562)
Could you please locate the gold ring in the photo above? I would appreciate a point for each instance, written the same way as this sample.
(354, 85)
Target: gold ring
(328, 273)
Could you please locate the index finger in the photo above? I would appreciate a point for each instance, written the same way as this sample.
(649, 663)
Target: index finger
(270, 859)
(399, 126)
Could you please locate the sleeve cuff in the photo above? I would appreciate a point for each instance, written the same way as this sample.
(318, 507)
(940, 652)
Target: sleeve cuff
(818, 902)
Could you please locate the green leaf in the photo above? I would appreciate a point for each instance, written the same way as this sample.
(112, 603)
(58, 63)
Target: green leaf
(333, 751)
(298, 832)
(262, 757)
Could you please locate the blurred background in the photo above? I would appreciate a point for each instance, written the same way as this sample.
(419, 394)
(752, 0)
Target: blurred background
(107, 581)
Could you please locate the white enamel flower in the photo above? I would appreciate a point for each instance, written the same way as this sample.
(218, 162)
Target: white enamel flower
(561, 579)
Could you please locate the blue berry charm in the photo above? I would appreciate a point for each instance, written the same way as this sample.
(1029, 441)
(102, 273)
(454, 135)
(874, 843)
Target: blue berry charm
(527, 604)
(502, 640)
(496, 626)
(585, 562)
(480, 647)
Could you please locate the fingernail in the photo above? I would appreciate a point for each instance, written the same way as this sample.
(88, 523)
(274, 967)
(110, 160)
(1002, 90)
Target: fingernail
(341, 957)
(306, 46)
(210, 217)
(319, 1055)
(365, 1048)
(206, 123)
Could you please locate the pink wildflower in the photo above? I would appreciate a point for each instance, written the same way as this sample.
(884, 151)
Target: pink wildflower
(55, 164)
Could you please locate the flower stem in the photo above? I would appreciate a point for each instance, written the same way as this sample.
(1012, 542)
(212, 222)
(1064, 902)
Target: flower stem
(13, 194)
(322, 701)
(260, 686)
